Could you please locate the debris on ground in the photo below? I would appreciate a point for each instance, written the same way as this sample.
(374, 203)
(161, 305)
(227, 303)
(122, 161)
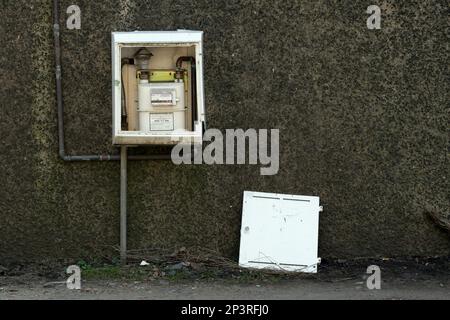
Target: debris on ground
(200, 264)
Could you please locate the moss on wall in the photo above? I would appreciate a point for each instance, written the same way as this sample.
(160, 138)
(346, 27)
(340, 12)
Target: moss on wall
(363, 119)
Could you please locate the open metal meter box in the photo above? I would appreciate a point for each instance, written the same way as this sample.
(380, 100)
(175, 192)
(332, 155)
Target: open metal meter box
(157, 87)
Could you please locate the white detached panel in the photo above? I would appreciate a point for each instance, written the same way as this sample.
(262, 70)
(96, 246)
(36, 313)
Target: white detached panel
(280, 232)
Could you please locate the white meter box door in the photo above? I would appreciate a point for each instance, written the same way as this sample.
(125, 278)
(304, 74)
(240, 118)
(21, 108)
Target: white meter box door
(157, 87)
(279, 232)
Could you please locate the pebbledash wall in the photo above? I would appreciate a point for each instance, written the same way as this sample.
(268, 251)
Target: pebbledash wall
(363, 117)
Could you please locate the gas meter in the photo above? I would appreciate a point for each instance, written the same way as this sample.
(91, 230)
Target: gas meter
(157, 87)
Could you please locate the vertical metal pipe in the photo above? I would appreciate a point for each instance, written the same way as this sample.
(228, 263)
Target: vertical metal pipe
(123, 204)
(58, 77)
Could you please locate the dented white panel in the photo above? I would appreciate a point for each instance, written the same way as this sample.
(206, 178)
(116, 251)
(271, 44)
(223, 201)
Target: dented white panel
(279, 232)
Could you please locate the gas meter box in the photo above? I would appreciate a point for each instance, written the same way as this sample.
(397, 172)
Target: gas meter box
(157, 87)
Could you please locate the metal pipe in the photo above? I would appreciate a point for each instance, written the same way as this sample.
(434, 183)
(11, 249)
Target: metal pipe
(191, 60)
(60, 105)
(194, 93)
(123, 205)
(123, 150)
(116, 157)
(184, 58)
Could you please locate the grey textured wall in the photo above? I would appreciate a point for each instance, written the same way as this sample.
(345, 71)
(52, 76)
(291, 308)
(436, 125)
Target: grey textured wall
(363, 118)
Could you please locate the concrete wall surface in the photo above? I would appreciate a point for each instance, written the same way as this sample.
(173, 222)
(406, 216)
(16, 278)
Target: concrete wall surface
(363, 119)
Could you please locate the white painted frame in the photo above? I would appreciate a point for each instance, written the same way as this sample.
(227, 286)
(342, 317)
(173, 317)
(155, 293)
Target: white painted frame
(155, 38)
(280, 232)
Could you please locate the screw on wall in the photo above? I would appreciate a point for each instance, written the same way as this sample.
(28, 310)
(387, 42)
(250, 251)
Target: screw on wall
(74, 20)
(374, 21)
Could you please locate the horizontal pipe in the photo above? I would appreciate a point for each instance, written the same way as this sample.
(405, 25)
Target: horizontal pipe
(116, 157)
(184, 58)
